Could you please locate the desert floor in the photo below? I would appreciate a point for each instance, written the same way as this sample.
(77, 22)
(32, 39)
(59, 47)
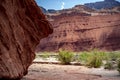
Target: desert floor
(69, 72)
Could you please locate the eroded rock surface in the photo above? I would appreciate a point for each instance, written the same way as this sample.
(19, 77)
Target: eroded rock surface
(78, 31)
(22, 25)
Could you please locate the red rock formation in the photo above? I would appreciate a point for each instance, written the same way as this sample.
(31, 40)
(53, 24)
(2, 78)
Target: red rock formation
(79, 33)
(22, 25)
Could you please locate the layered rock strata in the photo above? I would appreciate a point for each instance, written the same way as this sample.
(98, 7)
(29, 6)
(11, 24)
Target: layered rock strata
(22, 25)
(78, 32)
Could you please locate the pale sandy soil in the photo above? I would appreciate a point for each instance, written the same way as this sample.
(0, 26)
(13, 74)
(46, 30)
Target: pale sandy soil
(68, 72)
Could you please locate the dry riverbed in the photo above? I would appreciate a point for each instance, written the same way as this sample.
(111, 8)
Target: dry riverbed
(69, 72)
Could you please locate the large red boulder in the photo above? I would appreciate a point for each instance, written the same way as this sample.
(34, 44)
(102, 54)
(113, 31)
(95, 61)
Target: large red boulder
(22, 25)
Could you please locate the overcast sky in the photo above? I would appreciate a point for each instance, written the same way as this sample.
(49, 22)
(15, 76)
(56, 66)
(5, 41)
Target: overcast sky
(62, 4)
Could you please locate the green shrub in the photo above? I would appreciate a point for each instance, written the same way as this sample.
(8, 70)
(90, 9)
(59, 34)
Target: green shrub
(84, 57)
(95, 59)
(101, 54)
(65, 56)
(113, 60)
(118, 65)
(95, 62)
(108, 65)
(114, 55)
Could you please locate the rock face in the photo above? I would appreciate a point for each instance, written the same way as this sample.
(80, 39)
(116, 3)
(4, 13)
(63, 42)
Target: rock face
(78, 31)
(103, 4)
(22, 25)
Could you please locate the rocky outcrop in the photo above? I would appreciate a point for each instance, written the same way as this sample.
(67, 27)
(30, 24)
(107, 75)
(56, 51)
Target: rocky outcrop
(103, 4)
(83, 32)
(22, 25)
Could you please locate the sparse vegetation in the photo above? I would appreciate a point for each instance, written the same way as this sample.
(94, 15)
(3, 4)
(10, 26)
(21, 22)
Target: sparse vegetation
(114, 55)
(95, 62)
(112, 61)
(45, 55)
(65, 57)
(118, 65)
(84, 57)
(94, 58)
(108, 65)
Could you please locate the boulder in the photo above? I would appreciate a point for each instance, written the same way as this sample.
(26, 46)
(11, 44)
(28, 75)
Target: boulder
(22, 25)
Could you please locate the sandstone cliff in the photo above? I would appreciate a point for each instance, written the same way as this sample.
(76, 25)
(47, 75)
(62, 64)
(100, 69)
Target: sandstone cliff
(78, 32)
(22, 25)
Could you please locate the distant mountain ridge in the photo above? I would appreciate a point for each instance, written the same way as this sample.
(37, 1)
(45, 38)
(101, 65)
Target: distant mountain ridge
(47, 11)
(106, 4)
(43, 9)
(103, 4)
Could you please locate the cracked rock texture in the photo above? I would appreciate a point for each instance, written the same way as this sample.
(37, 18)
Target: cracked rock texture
(22, 25)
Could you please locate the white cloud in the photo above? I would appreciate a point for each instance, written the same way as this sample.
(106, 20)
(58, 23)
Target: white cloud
(63, 4)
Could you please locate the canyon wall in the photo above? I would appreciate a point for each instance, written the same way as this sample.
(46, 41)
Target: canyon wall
(22, 25)
(79, 32)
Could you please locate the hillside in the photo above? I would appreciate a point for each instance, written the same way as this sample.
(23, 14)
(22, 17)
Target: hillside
(103, 4)
(83, 28)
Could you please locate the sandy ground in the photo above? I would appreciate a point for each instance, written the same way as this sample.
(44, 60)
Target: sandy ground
(68, 72)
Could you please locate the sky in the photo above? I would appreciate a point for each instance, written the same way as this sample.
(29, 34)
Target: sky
(62, 4)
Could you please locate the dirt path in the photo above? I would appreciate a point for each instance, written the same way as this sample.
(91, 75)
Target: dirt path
(68, 72)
